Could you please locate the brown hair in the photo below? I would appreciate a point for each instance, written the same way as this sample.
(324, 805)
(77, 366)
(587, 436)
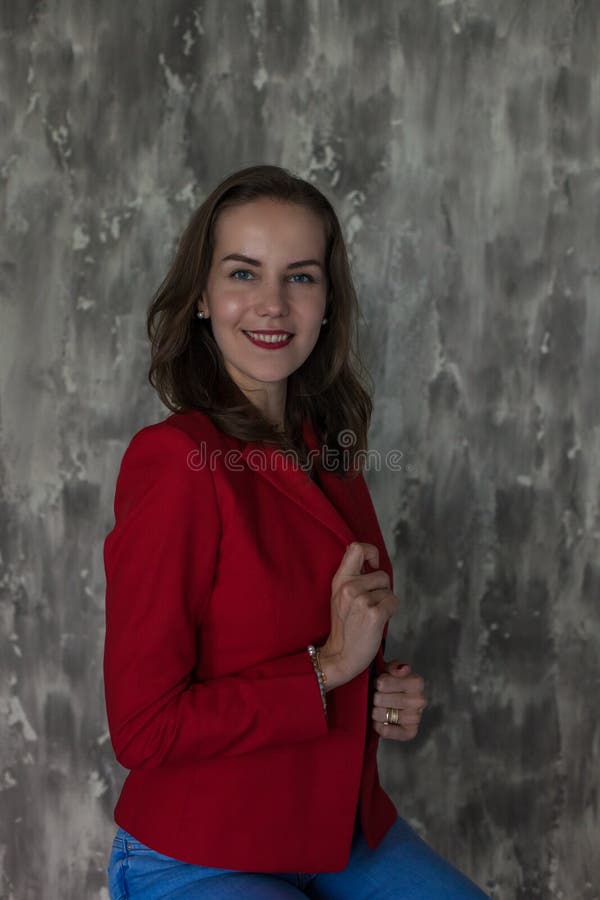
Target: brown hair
(187, 368)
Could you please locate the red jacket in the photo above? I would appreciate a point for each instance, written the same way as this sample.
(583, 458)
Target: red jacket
(218, 576)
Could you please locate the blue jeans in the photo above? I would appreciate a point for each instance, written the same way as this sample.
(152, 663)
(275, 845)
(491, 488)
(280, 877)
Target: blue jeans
(403, 867)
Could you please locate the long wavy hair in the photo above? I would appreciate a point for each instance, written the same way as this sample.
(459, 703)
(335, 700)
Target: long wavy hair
(332, 387)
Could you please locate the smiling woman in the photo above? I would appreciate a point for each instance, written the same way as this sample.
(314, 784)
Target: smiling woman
(269, 306)
(295, 278)
(247, 605)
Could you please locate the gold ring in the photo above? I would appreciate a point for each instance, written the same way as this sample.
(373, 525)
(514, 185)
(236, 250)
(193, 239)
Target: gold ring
(391, 716)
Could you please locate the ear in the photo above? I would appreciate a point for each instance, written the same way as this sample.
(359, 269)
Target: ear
(201, 304)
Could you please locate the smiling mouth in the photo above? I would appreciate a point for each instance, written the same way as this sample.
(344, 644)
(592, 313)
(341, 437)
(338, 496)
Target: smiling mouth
(269, 340)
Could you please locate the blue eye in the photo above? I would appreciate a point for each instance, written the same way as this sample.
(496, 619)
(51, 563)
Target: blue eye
(246, 275)
(240, 272)
(303, 275)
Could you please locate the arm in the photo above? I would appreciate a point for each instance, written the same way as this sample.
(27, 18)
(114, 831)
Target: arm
(160, 559)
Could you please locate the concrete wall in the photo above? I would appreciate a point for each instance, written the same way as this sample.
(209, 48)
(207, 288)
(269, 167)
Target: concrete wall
(460, 144)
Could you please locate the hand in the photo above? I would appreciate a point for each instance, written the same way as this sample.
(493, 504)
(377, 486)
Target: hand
(361, 604)
(401, 689)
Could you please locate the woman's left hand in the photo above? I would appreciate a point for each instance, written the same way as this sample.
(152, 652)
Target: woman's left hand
(399, 688)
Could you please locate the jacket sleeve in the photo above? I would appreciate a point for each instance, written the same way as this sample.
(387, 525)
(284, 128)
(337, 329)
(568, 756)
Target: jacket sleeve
(160, 559)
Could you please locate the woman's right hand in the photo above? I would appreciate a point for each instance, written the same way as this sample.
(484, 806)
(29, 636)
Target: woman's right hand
(361, 604)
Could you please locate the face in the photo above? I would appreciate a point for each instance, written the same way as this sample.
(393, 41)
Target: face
(267, 274)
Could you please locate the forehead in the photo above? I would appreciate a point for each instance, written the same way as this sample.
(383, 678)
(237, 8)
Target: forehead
(272, 226)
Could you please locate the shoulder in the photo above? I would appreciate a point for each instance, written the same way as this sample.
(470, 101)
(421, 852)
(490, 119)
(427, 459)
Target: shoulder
(196, 425)
(168, 450)
(178, 433)
(160, 466)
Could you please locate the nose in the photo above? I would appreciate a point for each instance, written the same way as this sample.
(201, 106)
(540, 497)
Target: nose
(271, 300)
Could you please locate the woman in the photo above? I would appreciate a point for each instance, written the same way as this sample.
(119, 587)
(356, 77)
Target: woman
(245, 684)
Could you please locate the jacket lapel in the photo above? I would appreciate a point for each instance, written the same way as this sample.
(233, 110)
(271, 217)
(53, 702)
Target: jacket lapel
(295, 483)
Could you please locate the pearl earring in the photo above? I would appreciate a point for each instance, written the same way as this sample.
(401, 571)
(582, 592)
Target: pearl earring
(200, 314)
(323, 322)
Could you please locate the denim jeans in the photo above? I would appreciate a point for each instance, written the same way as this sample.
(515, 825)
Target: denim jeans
(403, 867)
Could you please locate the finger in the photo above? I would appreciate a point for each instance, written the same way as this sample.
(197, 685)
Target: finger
(369, 582)
(395, 667)
(408, 684)
(398, 670)
(412, 684)
(391, 684)
(395, 732)
(386, 598)
(354, 557)
(399, 701)
(406, 717)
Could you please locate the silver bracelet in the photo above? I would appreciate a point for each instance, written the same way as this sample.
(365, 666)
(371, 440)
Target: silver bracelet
(321, 677)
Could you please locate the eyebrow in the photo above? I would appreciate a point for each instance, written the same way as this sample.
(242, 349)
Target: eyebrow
(255, 262)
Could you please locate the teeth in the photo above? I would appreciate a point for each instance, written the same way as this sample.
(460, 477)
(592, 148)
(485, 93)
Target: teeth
(270, 339)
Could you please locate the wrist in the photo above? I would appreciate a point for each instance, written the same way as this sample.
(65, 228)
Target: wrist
(331, 668)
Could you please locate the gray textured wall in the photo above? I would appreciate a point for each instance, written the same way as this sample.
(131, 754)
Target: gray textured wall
(460, 143)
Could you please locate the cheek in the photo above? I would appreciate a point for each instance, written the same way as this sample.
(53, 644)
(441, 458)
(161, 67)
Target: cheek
(312, 328)
(310, 315)
(229, 307)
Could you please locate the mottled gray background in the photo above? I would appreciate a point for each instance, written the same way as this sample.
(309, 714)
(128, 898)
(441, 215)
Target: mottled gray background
(460, 144)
